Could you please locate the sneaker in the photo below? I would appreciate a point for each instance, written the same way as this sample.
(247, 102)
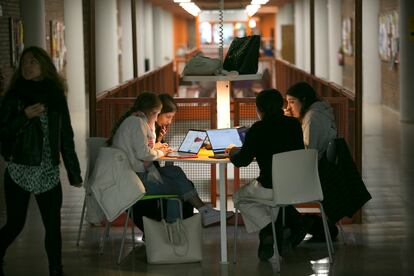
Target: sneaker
(211, 216)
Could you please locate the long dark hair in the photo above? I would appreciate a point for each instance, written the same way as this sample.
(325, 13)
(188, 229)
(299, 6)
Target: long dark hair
(48, 69)
(168, 103)
(145, 102)
(305, 94)
(269, 102)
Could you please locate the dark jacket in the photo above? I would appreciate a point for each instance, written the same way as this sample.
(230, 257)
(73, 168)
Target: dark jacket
(22, 138)
(271, 135)
(344, 191)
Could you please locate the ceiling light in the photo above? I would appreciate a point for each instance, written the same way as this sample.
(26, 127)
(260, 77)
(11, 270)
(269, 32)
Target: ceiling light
(252, 23)
(191, 8)
(259, 2)
(252, 9)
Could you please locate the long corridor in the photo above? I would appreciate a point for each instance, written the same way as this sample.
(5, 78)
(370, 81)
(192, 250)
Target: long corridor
(382, 245)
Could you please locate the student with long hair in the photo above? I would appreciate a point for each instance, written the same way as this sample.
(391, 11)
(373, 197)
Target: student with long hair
(319, 130)
(35, 130)
(150, 208)
(134, 133)
(316, 116)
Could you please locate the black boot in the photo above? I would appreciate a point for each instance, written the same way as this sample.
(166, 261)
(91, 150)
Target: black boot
(317, 232)
(55, 270)
(265, 251)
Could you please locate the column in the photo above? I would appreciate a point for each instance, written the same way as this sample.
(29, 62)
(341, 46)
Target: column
(33, 13)
(334, 40)
(406, 60)
(107, 71)
(75, 67)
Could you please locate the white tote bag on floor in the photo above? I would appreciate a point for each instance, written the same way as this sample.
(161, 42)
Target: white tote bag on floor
(178, 242)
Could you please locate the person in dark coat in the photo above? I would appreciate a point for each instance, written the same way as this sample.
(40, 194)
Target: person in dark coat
(273, 133)
(35, 131)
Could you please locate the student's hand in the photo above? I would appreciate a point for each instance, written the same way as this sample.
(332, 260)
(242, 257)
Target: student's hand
(161, 146)
(229, 147)
(34, 110)
(163, 132)
(287, 112)
(166, 150)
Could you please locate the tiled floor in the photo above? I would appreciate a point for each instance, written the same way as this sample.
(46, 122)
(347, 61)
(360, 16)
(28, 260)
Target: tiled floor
(382, 245)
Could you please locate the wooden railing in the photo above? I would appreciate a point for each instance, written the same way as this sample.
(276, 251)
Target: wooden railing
(160, 80)
(341, 99)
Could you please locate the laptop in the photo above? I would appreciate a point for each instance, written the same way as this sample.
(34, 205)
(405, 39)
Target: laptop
(190, 145)
(221, 138)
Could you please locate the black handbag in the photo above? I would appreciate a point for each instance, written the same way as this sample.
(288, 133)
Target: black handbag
(243, 55)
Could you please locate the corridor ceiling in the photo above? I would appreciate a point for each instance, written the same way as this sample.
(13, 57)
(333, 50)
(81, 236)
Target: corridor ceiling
(233, 4)
(211, 5)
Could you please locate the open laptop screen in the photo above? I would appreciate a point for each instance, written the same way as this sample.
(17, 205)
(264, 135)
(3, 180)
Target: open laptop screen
(193, 141)
(221, 138)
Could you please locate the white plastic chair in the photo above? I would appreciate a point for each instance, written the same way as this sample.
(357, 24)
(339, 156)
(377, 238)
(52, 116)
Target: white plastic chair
(93, 144)
(295, 180)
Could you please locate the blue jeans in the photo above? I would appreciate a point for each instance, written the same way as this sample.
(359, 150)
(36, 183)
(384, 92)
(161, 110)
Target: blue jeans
(174, 181)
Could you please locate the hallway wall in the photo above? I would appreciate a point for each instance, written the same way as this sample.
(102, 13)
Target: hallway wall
(107, 71)
(371, 63)
(390, 85)
(11, 8)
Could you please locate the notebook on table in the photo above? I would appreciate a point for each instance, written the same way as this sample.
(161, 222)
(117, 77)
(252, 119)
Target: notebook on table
(221, 138)
(190, 145)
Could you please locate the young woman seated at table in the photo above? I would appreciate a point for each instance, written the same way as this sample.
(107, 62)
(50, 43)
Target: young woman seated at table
(151, 208)
(134, 133)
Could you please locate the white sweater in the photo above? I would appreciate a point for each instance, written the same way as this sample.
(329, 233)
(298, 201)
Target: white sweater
(318, 126)
(132, 137)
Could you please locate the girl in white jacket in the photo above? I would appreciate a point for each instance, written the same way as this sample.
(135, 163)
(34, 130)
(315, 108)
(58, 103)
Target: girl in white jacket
(134, 133)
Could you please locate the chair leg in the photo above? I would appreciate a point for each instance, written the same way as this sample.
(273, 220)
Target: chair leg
(327, 234)
(162, 209)
(104, 237)
(132, 227)
(273, 214)
(236, 213)
(123, 236)
(81, 221)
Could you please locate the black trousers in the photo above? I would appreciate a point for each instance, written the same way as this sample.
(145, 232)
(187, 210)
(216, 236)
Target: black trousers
(17, 201)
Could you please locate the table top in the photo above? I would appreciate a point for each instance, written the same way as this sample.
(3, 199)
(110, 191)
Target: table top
(202, 157)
